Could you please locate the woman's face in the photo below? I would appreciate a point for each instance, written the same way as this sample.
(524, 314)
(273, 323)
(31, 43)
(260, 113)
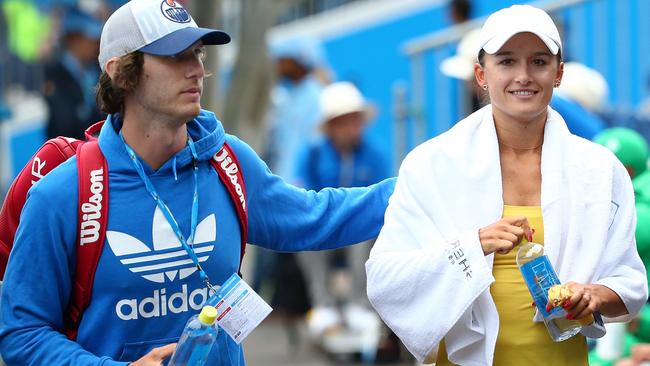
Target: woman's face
(520, 78)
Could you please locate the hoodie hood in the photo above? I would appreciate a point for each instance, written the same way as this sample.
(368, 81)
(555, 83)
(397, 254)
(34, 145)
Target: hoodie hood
(205, 130)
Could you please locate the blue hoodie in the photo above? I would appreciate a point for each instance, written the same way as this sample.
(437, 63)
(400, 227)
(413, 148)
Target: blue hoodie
(145, 288)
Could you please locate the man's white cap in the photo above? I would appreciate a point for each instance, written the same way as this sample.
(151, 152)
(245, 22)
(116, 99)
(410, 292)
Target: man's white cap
(584, 85)
(461, 65)
(341, 98)
(505, 23)
(157, 27)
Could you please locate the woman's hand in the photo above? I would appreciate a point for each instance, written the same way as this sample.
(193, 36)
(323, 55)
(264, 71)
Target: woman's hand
(504, 234)
(587, 299)
(156, 356)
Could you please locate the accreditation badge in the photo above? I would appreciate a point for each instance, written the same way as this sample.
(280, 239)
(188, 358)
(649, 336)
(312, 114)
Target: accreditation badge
(240, 309)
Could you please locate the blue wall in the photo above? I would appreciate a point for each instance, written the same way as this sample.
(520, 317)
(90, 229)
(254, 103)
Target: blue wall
(372, 58)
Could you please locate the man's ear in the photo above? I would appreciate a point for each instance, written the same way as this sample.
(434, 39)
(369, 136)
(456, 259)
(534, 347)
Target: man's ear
(111, 67)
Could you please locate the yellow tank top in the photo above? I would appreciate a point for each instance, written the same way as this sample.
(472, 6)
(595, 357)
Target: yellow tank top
(522, 341)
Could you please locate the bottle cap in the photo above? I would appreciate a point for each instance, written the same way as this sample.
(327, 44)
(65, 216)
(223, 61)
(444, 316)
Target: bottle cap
(533, 249)
(208, 315)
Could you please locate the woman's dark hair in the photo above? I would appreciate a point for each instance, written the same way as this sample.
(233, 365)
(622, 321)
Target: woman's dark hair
(481, 56)
(110, 93)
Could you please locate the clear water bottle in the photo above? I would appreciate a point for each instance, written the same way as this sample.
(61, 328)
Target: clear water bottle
(540, 276)
(197, 339)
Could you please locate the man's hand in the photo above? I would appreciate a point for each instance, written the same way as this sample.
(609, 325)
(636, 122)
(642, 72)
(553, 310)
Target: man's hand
(156, 356)
(504, 234)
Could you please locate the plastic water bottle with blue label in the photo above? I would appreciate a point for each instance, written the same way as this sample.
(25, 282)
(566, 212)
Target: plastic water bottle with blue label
(199, 335)
(540, 276)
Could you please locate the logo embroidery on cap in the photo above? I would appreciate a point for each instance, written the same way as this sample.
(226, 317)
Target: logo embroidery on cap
(175, 12)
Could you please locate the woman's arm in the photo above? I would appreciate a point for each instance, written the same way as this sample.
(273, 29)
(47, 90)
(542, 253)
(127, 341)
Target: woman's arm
(621, 289)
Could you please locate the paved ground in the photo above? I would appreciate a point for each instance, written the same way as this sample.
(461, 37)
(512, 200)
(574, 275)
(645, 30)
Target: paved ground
(269, 345)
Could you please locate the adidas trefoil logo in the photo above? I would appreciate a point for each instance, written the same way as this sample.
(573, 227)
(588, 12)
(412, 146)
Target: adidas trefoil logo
(168, 259)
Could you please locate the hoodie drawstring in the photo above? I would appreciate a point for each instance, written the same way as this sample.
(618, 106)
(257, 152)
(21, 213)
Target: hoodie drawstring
(174, 169)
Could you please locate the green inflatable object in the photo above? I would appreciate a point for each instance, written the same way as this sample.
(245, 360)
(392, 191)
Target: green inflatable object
(595, 360)
(630, 341)
(643, 330)
(628, 146)
(641, 184)
(643, 231)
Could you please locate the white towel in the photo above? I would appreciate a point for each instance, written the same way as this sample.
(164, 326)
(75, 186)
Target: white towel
(427, 275)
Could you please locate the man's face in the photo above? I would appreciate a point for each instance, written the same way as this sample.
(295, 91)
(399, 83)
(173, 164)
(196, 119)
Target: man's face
(171, 86)
(85, 48)
(346, 130)
(288, 68)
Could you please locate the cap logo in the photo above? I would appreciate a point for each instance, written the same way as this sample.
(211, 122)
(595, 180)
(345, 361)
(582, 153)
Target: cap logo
(175, 12)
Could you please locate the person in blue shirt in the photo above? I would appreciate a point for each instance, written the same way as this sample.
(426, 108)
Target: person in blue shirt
(343, 158)
(581, 98)
(71, 76)
(164, 196)
(294, 113)
(300, 65)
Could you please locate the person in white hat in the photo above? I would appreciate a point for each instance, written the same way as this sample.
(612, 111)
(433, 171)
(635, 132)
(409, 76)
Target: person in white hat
(461, 66)
(173, 226)
(344, 158)
(443, 269)
(292, 121)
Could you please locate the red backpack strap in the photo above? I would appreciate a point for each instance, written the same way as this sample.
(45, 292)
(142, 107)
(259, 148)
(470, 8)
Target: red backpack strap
(53, 152)
(92, 131)
(229, 171)
(92, 218)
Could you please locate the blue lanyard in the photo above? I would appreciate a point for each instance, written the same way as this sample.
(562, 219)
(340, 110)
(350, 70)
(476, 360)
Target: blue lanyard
(167, 212)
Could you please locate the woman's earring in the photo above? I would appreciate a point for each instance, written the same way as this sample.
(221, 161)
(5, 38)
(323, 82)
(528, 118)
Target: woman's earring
(557, 84)
(485, 87)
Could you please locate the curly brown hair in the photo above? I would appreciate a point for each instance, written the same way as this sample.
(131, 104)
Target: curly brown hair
(110, 93)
